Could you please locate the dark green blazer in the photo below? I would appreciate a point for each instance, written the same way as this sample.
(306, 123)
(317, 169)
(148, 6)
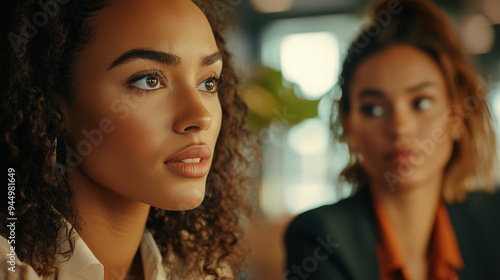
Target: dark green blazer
(338, 241)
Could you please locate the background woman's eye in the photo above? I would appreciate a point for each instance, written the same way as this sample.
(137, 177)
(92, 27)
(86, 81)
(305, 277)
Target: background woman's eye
(422, 103)
(209, 85)
(372, 110)
(149, 82)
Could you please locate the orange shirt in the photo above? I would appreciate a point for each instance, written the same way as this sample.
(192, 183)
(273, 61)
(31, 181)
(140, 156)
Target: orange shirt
(444, 254)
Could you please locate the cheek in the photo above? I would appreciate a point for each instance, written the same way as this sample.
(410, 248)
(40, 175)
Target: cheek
(134, 137)
(365, 136)
(369, 143)
(435, 141)
(217, 116)
(114, 133)
(113, 121)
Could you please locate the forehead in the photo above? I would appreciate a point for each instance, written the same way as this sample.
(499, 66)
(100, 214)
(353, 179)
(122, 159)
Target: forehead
(174, 26)
(395, 69)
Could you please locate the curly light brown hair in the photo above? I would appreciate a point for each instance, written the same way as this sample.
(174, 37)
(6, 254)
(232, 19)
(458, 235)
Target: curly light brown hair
(36, 63)
(421, 24)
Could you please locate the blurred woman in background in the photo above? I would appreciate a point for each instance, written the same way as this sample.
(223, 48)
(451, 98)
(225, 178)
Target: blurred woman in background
(423, 161)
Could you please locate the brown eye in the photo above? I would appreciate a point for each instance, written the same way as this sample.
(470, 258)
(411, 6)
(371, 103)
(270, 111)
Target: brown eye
(209, 85)
(423, 104)
(372, 110)
(148, 82)
(152, 81)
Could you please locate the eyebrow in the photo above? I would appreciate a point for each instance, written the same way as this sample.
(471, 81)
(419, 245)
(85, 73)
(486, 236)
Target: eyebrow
(378, 93)
(161, 57)
(420, 86)
(370, 93)
(211, 59)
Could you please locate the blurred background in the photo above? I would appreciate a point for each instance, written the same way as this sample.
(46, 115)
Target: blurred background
(288, 54)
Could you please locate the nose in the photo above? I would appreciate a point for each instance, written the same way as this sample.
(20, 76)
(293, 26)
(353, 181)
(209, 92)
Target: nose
(192, 115)
(400, 123)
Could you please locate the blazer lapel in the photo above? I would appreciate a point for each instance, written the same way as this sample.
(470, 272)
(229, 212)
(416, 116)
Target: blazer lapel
(353, 225)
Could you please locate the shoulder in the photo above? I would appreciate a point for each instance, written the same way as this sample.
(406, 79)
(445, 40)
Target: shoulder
(10, 266)
(337, 216)
(337, 239)
(476, 222)
(478, 207)
(481, 200)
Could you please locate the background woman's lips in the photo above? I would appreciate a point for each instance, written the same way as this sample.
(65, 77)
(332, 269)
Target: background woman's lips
(400, 157)
(192, 162)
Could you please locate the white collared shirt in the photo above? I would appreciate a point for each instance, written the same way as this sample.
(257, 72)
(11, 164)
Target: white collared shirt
(83, 265)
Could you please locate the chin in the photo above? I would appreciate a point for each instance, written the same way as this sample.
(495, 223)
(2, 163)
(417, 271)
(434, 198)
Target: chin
(184, 197)
(190, 203)
(410, 184)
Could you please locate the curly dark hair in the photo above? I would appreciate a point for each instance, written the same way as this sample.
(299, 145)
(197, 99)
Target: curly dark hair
(36, 63)
(423, 25)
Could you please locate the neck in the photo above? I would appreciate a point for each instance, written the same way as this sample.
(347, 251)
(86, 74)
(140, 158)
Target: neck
(112, 225)
(411, 212)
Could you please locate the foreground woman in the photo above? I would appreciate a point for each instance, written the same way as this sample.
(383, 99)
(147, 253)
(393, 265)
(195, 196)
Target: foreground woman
(112, 113)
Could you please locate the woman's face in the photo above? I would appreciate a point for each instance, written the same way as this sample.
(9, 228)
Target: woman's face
(145, 116)
(399, 118)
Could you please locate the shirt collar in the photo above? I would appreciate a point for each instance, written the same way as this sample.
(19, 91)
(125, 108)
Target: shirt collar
(444, 253)
(390, 259)
(151, 258)
(83, 265)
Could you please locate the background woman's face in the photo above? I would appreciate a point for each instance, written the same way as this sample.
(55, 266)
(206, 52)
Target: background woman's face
(145, 115)
(399, 120)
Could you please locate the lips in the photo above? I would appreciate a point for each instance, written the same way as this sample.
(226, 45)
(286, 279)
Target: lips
(401, 157)
(191, 162)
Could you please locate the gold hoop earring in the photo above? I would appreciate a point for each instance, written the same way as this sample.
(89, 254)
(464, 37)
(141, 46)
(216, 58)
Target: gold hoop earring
(456, 135)
(54, 146)
(359, 157)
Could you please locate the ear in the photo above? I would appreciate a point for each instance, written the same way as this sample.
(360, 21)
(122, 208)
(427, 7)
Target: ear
(456, 133)
(62, 105)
